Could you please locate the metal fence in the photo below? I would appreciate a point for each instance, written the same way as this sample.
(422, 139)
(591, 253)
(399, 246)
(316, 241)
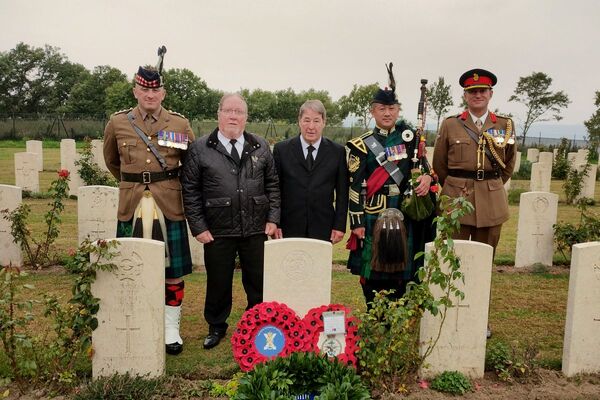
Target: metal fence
(36, 126)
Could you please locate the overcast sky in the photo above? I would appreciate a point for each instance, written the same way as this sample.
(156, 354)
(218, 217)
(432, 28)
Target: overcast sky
(330, 44)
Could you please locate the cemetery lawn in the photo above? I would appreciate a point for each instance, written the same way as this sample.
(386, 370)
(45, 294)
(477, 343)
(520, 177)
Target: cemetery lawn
(528, 306)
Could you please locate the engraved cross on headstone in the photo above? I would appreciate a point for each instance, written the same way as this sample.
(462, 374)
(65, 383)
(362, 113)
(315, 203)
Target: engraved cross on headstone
(458, 307)
(99, 231)
(128, 330)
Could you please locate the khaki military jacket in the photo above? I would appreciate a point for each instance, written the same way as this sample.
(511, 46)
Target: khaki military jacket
(124, 151)
(455, 149)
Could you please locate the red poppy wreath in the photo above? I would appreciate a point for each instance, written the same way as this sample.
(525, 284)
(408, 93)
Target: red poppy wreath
(266, 331)
(320, 343)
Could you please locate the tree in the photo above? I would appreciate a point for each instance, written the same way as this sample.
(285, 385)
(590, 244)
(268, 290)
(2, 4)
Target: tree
(333, 117)
(36, 80)
(119, 96)
(438, 95)
(534, 93)
(88, 96)
(185, 91)
(358, 103)
(287, 105)
(593, 128)
(261, 104)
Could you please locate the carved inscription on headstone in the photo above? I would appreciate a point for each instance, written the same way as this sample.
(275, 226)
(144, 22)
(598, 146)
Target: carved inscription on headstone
(26, 172)
(461, 346)
(535, 235)
(298, 273)
(97, 212)
(130, 333)
(581, 348)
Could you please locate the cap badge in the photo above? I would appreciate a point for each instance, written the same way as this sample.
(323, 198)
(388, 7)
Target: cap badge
(475, 77)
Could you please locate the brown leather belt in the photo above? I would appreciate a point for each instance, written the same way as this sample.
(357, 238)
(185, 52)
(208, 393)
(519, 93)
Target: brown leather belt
(478, 175)
(150, 177)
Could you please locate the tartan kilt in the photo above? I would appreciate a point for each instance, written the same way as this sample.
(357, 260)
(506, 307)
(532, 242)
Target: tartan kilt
(418, 233)
(178, 242)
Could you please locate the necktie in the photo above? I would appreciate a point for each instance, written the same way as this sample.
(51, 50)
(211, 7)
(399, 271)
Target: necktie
(234, 153)
(310, 161)
(478, 123)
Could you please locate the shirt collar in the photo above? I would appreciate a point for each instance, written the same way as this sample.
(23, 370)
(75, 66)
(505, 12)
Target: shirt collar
(155, 115)
(305, 144)
(225, 141)
(482, 118)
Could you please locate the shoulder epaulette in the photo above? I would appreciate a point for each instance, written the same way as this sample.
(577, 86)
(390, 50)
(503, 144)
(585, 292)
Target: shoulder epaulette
(126, 110)
(359, 143)
(175, 113)
(503, 116)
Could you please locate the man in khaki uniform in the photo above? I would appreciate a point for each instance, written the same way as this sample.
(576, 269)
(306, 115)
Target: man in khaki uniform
(143, 147)
(474, 156)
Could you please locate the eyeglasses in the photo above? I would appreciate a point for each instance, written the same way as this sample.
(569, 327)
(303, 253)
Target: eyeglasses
(229, 111)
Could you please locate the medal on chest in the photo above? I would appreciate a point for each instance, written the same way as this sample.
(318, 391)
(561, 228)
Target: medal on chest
(173, 139)
(395, 153)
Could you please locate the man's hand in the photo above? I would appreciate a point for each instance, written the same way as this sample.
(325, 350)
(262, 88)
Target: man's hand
(204, 237)
(278, 234)
(270, 229)
(336, 236)
(424, 185)
(360, 232)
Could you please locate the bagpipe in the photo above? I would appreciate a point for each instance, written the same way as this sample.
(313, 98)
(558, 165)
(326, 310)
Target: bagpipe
(390, 248)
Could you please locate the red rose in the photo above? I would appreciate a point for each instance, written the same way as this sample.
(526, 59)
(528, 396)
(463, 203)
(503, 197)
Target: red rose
(434, 188)
(63, 173)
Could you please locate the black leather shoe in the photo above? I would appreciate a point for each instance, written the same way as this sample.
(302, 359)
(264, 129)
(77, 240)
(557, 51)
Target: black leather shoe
(212, 339)
(174, 348)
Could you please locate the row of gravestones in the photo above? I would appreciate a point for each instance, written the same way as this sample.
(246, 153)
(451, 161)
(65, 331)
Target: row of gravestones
(305, 265)
(97, 219)
(541, 171)
(29, 163)
(130, 333)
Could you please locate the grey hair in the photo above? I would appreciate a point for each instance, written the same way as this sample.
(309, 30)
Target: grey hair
(228, 95)
(314, 105)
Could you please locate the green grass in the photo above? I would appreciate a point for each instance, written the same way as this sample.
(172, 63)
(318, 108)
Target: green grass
(525, 307)
(505, 253)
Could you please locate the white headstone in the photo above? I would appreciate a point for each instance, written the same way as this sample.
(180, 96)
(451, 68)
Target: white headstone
(97, 212)
(68, 156)
(130, 337)
(571, 157)
(588, 184)
(532, 155)
(197, 250)
(298, 273)
(535, 235)
(582, 156)
(10, 252)
(26, 172)
(98, 154)
(461, 346)
(581, 348)
(541, 177)
(517, 162)
(35, 146)
(507, 185)
(546, 157)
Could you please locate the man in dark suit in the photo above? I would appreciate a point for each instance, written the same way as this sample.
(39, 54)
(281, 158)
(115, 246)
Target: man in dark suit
(312, 176)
